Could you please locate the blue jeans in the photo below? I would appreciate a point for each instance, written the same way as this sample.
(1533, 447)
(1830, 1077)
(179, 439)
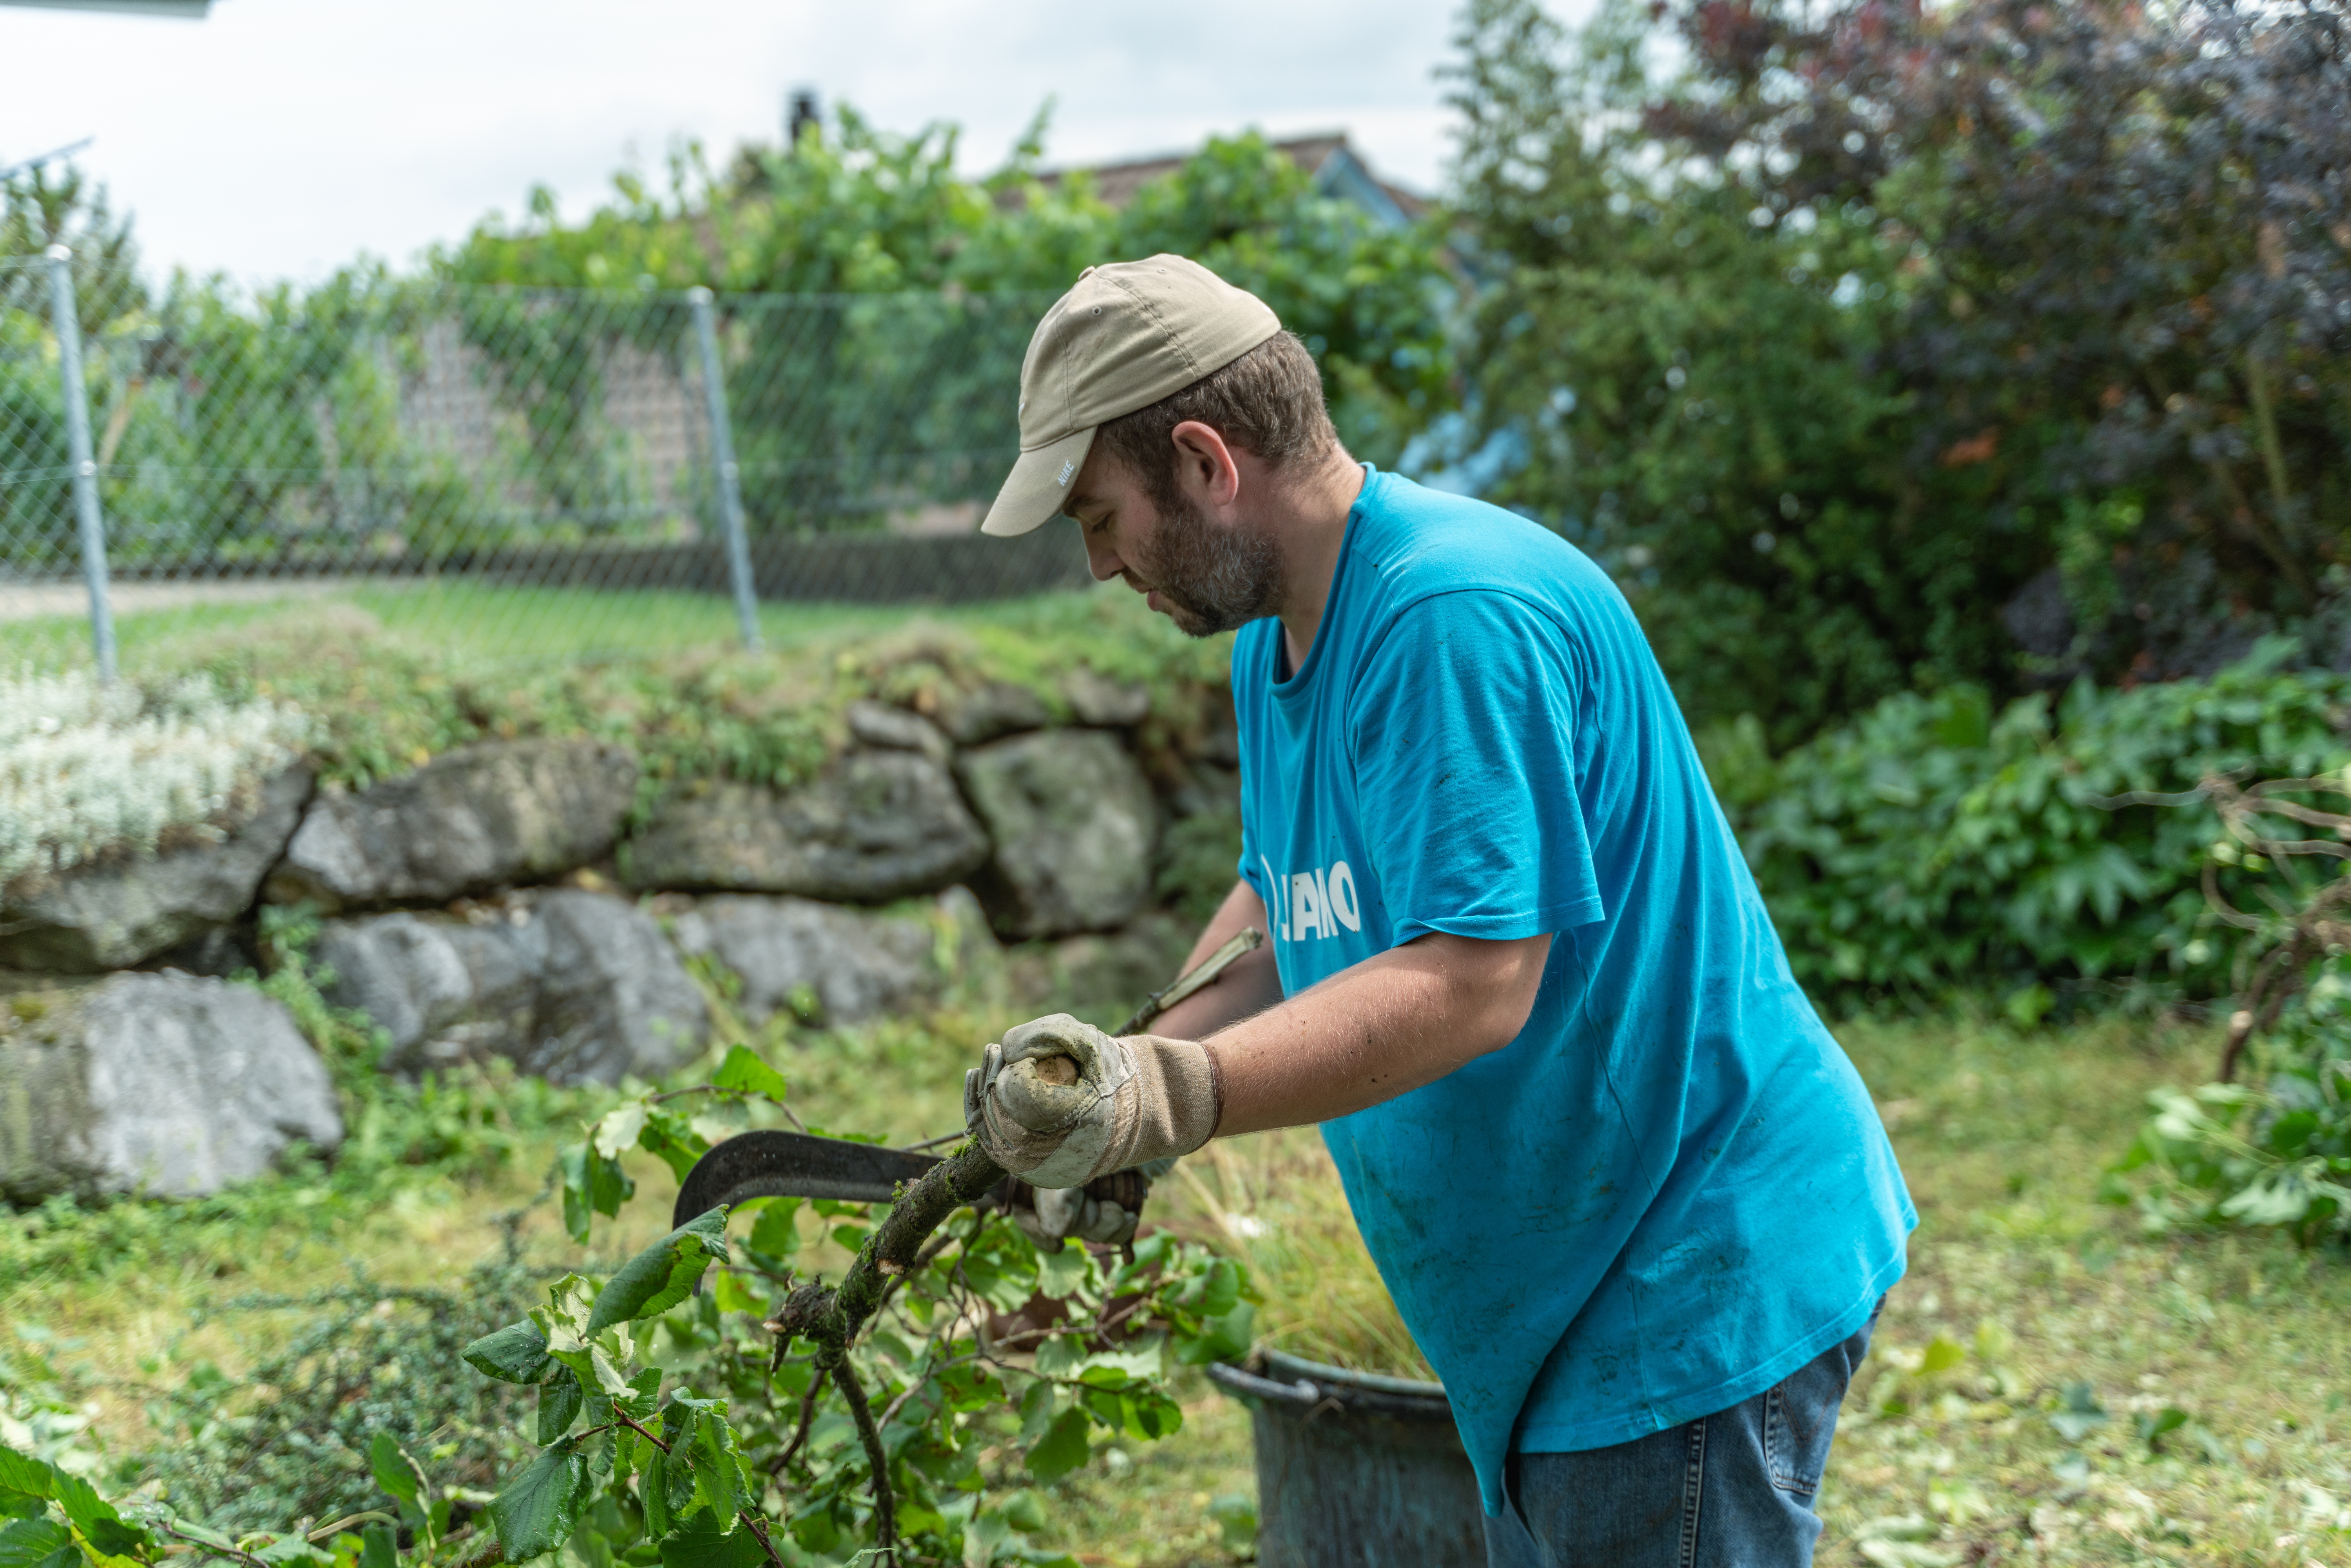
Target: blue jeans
(1733, 1489)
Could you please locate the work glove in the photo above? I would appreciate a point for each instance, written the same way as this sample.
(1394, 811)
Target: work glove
(1059, 1103)
(1105, 1210)
(1063, 1212)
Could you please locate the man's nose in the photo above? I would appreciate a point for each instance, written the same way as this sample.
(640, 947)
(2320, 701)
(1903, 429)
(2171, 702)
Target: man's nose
(1102, 561)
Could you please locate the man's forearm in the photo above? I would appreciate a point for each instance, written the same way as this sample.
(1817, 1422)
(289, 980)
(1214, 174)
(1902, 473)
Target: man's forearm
(1380, 1028)
(1248, 986)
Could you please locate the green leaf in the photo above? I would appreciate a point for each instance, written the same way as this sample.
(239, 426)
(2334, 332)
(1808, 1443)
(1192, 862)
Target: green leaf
(1942, 1353)
(23, 1473)
(644, 1393)
(2080, 1413)
(733, 1293)
(593, 1185)
(1225, 1338)
(397, 1471)
(743, 1072)
(21, 1504)
(672, 1137)
(559, 1399)
(1236, 1516)
(39, 1543)
(291, 1550)
(774, 1232)
(663, 1274)
(700, 1545)
(515, 1353)
(1062, 1449)
(378, 1548)
(617, 1130)
(1024, 1510)
(536, 1511)
(653, 1494)
(1063, 1273)
(95, 1517)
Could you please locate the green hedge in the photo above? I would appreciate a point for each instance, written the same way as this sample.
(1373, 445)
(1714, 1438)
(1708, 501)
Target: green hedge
(1934, 844)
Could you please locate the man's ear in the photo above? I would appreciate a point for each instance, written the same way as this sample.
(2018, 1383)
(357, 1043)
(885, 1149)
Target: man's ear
(1205, 469)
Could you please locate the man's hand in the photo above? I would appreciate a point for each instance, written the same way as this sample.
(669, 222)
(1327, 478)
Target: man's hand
(1065, 1211)
(1059, 1103)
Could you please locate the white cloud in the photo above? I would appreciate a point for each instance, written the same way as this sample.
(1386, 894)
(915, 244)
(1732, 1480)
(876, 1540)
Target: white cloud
(280, 138)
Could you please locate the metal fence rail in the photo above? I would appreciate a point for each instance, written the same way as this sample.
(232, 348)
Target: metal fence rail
(403, 437)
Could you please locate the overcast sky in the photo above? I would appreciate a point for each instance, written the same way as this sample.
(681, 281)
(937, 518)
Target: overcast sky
(281, 137)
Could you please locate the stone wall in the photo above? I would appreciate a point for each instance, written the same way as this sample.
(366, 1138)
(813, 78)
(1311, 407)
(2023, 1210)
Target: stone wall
(498, 903)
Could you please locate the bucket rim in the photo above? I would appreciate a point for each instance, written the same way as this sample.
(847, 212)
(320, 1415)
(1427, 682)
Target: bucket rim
(1290, 1367)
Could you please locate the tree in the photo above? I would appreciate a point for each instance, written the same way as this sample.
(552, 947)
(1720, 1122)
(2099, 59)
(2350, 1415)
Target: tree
(1694, 395)
(2125, 233)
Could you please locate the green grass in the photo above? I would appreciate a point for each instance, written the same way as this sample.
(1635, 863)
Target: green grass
(467, 622)
(2020, 1279)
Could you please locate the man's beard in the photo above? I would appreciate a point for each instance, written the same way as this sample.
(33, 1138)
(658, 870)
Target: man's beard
(1212, 579)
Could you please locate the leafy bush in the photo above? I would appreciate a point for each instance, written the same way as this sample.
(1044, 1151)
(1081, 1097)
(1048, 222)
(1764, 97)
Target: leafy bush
(1938, 844)
(89, 770)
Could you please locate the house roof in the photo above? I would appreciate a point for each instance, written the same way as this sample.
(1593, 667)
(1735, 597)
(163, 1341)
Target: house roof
(1337, 169)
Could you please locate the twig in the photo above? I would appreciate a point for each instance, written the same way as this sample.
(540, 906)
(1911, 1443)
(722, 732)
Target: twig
(631, 1423)
(886, 1520)
(758, 1528)
(808, 1419)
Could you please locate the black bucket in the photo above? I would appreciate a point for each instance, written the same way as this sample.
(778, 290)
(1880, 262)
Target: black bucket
(1355, 1470)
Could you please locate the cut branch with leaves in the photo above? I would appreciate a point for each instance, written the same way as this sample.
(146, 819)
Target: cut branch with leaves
(777, 1413)
(2277, 1151)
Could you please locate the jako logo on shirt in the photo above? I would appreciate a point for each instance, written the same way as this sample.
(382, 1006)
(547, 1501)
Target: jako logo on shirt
(1320, 901)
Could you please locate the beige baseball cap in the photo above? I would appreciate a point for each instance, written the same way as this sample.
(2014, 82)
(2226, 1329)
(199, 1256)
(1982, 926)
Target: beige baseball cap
(1127, 335)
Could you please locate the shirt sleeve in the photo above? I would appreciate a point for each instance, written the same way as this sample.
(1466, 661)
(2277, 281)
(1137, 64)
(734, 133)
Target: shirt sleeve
(1462, 727)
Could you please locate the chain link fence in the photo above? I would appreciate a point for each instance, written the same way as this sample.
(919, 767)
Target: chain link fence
(532, 472)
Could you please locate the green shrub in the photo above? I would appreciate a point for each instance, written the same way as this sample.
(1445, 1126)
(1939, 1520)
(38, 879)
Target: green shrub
(1934, 845)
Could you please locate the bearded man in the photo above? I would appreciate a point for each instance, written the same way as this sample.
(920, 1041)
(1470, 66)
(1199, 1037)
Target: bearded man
(1630, 1197)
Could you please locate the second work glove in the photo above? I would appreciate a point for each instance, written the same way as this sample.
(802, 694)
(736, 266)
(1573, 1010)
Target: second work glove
(1059, 1103)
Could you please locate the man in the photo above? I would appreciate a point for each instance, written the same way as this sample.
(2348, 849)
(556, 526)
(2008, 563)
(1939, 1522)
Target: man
(1629, 1195)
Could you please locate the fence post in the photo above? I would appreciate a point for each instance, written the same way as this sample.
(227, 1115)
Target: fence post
(85, 467)
(730, 478)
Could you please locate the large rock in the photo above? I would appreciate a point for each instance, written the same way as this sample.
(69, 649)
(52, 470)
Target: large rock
(874, 826)
(572, 985)
(1103, 703)
(166, 1083)
(895, 729)
(475, 818)
(852, 964)
(112, 916)
(1074, 824)
(999, 707)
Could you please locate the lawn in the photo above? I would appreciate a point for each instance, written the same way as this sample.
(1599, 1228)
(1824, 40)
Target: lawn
(156, 624)
(2027, 1299)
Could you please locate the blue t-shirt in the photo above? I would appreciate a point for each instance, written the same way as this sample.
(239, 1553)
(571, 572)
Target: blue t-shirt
(1671, 1189)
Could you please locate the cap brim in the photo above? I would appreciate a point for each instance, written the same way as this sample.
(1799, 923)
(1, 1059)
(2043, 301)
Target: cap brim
(1039, 486)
